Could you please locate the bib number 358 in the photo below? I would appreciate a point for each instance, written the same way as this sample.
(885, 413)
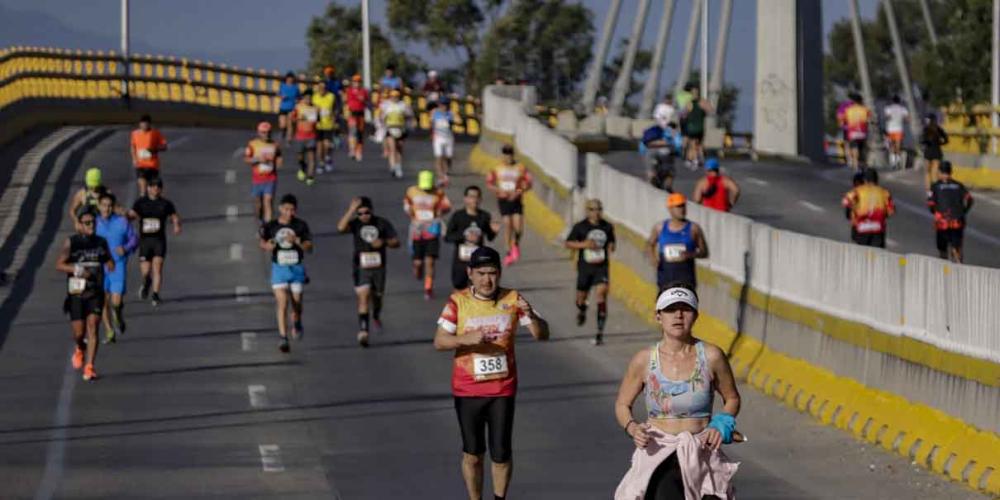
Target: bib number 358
(486, 367)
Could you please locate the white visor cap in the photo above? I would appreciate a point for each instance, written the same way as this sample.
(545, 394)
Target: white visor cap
(674, 295)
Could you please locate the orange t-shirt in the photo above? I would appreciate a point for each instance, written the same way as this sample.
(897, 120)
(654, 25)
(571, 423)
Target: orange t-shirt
(146, 146)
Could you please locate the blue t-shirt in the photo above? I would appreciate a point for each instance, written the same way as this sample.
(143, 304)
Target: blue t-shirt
(393, 82)
(289, 93)
(333, 85)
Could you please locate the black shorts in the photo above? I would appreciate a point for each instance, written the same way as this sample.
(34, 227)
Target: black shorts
(459, 274)
(667, 482)
(80, 306)
(152, 247)
(870, 239)
(147, 173)
(324, 135)
(698, 136)
(426, 248)
(510, 207)
(475, 414)
(950, 237)
(372, 278)
(304, 146)
(858, 144)
(588, 276)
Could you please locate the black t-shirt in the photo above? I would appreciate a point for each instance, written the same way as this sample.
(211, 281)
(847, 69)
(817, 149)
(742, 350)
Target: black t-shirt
(364, 234)
(463, 229)
(286, 254)
(602, 232)
(153, 215)
(92, 253)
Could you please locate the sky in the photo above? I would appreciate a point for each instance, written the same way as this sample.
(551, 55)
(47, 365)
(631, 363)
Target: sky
(270, 34)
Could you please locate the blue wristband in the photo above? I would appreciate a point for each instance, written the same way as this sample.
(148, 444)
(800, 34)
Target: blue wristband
(725, 424)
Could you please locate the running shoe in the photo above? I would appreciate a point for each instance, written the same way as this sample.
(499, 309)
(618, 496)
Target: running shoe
(363, 339)
(377, 324)
(297, 331)
(109, 336)
(581, 317)
(89, 373)
(156, 299)
(598, 339)
(397, 172)
(301, 175)
(144, 289)
(508, 260)
(77, 358)
(284, 347)
(515, 252)
(310, 181)
(117, 321)
(428, 294)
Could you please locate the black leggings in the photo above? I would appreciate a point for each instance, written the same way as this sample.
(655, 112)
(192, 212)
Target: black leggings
(473, 416)
(667, 483)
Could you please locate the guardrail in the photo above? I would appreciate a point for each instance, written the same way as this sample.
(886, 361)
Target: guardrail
(969, 129)
(32, 72)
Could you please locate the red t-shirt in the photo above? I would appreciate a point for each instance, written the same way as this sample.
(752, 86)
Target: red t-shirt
(357, 99)
(263, 153)
(146, 145)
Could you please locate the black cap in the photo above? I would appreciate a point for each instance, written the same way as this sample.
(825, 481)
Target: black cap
(507, 149)
(945, 167)
(871, 175)
(484, 256)
(156, 181)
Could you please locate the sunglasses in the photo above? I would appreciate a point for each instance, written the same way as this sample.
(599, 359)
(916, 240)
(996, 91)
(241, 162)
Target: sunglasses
(593, 209)
(363, 213)
(88, 222)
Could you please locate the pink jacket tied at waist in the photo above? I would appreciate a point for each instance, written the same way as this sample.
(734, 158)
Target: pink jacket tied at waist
(705, 472)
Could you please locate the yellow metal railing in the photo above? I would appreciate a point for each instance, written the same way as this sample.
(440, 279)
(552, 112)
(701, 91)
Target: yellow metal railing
(47, 73)
(969, 129)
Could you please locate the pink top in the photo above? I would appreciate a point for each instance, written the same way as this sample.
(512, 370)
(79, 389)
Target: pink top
(705, 472)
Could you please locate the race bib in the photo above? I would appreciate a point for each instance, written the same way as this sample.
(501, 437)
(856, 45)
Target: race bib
(150, 225)
(487, 367)
(370, 260)
(591, 256)
(76, 286)
(465, 251)
(674, 252)
(324, 113)
(264, 168)
(508, 186)
(424, 215)
(309, 115)
(145, 154)
(288, 257)
(870, 226)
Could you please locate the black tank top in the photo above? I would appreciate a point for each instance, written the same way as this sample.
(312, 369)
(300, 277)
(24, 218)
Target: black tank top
(91, 252)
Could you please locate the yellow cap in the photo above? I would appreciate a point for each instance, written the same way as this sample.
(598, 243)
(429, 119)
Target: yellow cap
(425, 180)
(93, 177)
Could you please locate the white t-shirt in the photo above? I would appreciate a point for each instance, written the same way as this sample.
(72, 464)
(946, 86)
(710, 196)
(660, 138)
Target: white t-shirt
(895, 115)
(665, 113)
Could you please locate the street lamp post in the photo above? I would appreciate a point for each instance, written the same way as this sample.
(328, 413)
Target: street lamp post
(366, 44)
(124, 47)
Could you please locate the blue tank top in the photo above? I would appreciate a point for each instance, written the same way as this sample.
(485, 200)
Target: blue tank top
(672, 265)
(689, 398)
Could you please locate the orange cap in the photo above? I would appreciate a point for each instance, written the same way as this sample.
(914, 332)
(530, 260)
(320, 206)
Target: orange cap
(356, 78)
(328, 70)
(676, 200)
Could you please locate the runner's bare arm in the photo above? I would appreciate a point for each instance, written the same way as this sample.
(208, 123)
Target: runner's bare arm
(75, 205)
(176, 220)
(62, 264)
(448, 341)
(699, 188)
(725, 382)
(538, 327)
(733, 189)
(651, 251)
(343, 225)
(701, 251)
(630, 388)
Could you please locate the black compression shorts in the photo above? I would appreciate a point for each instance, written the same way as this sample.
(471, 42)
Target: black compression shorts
(426, 248)
(476, 414)
(152, 247)
(589, 276)
(508, 207)
(80, 306)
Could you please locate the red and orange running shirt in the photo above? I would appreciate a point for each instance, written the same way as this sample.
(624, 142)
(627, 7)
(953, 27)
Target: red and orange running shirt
(856, 118)
(263, 153)
(507, 179)
(145, 147)
(870, 206)
(487, 369)
(425, 209)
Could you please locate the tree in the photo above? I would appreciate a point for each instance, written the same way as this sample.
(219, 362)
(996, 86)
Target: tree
(335, 38)
(446, 24)
(640, 68)
(544, 42)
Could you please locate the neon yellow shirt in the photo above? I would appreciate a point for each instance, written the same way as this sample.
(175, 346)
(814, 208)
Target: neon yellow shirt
(325, 104)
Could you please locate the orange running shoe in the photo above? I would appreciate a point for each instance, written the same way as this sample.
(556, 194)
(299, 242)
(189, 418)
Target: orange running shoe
(77, 358)
(89, 373)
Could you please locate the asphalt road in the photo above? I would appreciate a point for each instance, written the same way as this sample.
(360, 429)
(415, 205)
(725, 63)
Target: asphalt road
(805, 198)
(196, 401)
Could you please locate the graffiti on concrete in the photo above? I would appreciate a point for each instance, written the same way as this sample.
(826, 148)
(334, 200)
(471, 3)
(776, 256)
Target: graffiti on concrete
(776, 99)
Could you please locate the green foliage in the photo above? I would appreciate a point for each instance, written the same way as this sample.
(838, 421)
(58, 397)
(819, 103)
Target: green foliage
(335, 38)
(640, 69)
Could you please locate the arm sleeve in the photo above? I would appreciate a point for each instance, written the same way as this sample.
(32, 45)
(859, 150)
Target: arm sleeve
(131, 239)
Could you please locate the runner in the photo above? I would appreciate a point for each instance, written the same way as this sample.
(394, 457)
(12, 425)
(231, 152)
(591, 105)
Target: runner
(694, 129)
(151, 212)
(88, 195)
(679, 375)
(660, 146)
(372, 235)
(122, 241)
(480, 324)
(425, 204)
(264, 157)
(594, 238)
(357, 102)
(665, 113)
(442, 139)
(950, 202)
(397, 117)
(509, 181)
(932, 139)
(467, 230)
(870, 205)
(895, 115)
(716, 190)
(433, 88)
(856, 118)
(289, 94)
(146, 145)
(83, 258)
(675, 243)
(389, 80)
(305, 116)
(325, 102)
(842, 123)
(287, 238)
(335, 87)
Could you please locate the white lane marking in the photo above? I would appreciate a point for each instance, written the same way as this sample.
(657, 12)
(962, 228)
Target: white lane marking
(891, 242)
(989, 200)
(241, 293)
(230, 177)
(55, 453)
(178, 142)
(258, 395)
(235, 251)
(270, 458)
(759, 182)
(969, 231)
(238, 152)
(812, 206)
(248, 341)
(232, 212)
